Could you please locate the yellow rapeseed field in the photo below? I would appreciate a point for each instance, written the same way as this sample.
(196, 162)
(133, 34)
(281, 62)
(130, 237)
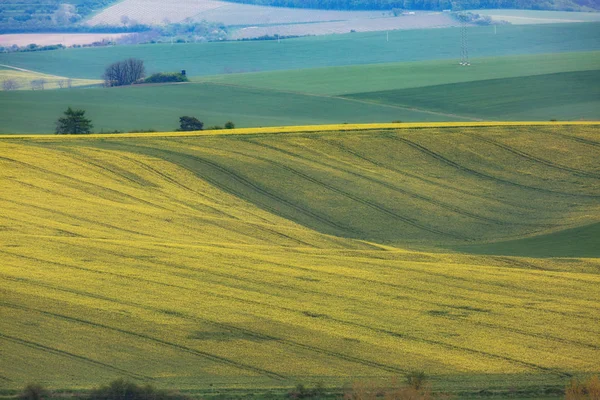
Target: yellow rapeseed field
(263, 260)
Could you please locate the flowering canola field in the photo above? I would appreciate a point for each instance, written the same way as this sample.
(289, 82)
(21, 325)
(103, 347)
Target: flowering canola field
(266, 259)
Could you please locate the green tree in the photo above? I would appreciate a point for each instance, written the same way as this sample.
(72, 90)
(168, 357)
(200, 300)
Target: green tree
(190, 124)
(73, 122)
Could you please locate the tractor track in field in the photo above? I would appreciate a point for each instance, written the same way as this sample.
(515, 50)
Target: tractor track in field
(395, 286)
(53, 350)
(368, 203)
(220, 212)
(408, 193)
(420, 178)
(242, 180)
(106, 168)
(343, 322)
(531, 157)
(79, 184)
(179, 347)
(226, 326)
(482, 175)
(178, 184)
(576, 139)
(77, 218)
(66, 196)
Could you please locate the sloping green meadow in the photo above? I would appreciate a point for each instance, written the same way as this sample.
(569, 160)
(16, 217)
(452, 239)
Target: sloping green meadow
(264, 260)
(499, 88)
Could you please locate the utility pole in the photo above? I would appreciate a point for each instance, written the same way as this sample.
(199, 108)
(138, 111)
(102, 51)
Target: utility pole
(464, 44)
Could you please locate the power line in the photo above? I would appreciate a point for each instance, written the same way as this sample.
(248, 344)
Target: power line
(464, 44)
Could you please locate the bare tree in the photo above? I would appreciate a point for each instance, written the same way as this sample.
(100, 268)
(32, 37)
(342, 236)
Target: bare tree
(38, 84)
(62, 83)
(124, 72)
(10, 84)
(69, 83)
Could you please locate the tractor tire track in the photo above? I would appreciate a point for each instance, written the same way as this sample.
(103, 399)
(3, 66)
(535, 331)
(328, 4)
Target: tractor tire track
(182, 348)
(531, 157)
(343, 322)
(482, 175)
(576, 139)
(368, 203)
(52, 350)
(244, 182)
(77, 218)
(79, 184)
(221, 325)
(395, 188)
(418, 177)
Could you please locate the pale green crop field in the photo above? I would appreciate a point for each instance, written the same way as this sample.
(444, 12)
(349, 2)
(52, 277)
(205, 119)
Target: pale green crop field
(260, 260)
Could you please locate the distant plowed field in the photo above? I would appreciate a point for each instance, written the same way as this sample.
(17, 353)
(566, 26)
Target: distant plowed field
(264, 260)
(309, 22)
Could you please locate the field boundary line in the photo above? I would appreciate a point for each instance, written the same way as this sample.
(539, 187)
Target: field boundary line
(303, 129)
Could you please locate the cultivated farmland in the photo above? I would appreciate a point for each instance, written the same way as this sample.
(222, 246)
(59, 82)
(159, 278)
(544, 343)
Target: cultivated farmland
(26, 80)
(262, 260)
(258, 21)
(204, 59)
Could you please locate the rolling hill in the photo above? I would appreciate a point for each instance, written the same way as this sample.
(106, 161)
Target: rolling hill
(260, 260)
(201, 59)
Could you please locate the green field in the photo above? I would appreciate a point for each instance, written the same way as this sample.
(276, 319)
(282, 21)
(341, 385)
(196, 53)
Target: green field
(404, 75)
(257, 261)
(273, 102)
(310, 52)
(159, 108)
(563, 96)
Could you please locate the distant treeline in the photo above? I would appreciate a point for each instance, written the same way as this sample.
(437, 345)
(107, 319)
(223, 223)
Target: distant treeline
(75, 29)
(565, 5)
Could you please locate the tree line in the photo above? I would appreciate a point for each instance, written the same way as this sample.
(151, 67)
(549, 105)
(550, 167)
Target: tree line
(456, 5)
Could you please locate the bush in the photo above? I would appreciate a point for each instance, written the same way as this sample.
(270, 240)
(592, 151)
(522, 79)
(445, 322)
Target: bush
(416, 379)
(163, 77)
(34, 391)
(303, 392)
(229, 125)
(586, 390)
(125, 390)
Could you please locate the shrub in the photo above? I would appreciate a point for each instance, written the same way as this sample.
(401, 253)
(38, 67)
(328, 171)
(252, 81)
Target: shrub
(229, 125)
(583, 390)
(34, 391)
(163, 77)
(303, 392)
(416, 379)
(121, 389)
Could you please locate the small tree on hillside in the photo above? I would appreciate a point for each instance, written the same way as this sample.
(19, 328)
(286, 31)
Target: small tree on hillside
(73, 123)
(190, 124)
(10, 84)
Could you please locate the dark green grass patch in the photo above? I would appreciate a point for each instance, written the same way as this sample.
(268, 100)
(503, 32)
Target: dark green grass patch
(159, 108)
(582, 241)
(404, 75)
(564, 96)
